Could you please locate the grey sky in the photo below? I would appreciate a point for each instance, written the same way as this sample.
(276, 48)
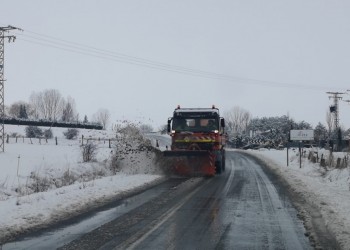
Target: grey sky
(278, 57)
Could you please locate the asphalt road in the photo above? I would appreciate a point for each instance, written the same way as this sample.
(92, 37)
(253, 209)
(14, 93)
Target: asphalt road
(240, 209)
(243, 208)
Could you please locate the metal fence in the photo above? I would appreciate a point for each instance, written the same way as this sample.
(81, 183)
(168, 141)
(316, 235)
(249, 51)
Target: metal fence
(108, 142)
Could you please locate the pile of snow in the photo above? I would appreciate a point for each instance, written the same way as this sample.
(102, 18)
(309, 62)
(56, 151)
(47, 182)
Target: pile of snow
(132, 148)
(328, 188)
(42, 182)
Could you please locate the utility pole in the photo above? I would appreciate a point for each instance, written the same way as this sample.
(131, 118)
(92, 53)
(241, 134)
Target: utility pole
(10, 38)
(348, 101)
(336, 96)
(335, 108)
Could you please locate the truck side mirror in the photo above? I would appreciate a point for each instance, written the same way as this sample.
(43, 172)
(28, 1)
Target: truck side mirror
(222, 120)
(169, 125)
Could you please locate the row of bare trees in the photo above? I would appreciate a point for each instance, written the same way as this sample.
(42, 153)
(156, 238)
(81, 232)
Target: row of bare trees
(239, 121)
(330, 122)
(52, 106)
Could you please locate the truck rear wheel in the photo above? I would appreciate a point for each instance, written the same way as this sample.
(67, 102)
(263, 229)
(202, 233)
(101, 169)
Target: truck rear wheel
(223, 160)
(218, 167)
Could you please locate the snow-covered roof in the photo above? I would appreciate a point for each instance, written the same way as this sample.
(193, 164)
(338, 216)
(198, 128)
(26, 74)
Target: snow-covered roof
(195, 110)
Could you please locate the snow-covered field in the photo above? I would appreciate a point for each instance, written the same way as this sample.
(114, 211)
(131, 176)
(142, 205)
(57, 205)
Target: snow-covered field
(327, 189)
(72, 185)
(67, 184)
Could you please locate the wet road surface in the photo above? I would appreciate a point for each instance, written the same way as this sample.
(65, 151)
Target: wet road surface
(240, 209)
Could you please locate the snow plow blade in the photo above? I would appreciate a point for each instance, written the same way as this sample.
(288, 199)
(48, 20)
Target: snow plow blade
(185, 153)
(191, 162)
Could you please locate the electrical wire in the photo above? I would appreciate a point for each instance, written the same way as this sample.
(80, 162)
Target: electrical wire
(78, 48)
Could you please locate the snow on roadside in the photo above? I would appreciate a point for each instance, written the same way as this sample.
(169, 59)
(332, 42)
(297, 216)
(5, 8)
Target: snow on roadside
(94, 183)
(328, 190)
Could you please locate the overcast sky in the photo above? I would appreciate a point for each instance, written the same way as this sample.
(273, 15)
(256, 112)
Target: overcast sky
(140, 59)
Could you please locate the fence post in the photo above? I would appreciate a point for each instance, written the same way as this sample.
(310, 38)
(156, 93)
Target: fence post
(8, 138)
(109, 143)
(82, 140)
(56, 140)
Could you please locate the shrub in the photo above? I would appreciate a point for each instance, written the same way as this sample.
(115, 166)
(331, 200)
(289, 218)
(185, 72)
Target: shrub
(14, 134)
(71, 133)
(48, 134)
(33, 132)
(89, 152)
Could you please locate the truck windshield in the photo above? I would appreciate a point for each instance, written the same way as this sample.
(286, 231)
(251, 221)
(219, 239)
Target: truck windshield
(195, 124)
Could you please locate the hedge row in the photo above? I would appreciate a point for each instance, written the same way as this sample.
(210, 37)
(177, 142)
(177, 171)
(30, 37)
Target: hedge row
(43, 123)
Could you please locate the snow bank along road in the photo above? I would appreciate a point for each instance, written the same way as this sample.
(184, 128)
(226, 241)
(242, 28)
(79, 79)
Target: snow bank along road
(244, 208)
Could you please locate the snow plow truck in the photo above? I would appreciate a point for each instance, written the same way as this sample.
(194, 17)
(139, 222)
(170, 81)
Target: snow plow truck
(197, 141)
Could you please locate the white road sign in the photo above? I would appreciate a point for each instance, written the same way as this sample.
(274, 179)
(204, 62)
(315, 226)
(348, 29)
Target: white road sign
(302, 135)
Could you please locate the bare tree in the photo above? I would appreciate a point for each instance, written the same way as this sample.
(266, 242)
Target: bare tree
(53, 103)
(89, 151)
(47, 104)
(330, 122)
(237, 120)
(69, 110)
(102, 116)
(146, 128)
(35, 102)
(163, 129)
(246, 118)
(7, 108)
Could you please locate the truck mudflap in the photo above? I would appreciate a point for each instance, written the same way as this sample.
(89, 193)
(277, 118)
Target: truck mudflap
(192, 162)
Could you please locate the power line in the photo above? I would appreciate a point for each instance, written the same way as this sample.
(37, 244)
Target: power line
(92, 51)
(78, 48)
(110, 57)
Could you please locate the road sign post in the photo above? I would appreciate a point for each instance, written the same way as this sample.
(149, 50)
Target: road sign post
(301, 135)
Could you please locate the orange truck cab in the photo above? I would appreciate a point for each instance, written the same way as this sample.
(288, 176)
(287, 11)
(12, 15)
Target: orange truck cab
(198, 138)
